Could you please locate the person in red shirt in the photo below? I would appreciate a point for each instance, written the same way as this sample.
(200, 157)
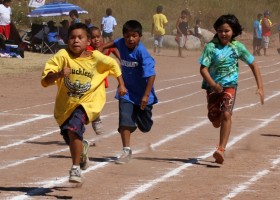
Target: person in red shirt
(266, 30)
(97, 41)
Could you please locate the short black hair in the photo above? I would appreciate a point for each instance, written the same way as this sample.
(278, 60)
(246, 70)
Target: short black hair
(94, 28)
(74, 12)
(109, 11)
(159, 9)
(232, 21)
(132, 25)
(79, 26)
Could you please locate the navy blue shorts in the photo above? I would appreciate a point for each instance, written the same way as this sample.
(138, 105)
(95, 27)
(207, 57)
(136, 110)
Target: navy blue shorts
(75, 123)
(132, 116)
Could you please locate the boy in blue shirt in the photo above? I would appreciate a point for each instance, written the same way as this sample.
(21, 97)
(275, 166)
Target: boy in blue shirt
(137, 65)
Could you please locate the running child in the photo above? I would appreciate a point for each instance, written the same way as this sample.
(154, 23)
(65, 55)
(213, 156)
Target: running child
(135, 107)
(79, 75)
(219, 69)
(97, 41)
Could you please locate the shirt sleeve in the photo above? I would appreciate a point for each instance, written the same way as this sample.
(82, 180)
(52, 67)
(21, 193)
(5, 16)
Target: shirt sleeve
(148, 64)
(245, 55)
(206, 56)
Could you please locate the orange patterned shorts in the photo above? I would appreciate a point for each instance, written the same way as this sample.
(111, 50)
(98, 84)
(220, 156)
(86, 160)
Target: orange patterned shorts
(220, 102)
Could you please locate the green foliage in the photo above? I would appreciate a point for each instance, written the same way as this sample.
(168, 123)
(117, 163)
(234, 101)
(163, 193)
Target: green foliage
(142, 10)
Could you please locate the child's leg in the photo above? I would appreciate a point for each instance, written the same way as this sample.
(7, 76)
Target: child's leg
(76, 147)
(126, 127)
(225, 129)
(125, 135)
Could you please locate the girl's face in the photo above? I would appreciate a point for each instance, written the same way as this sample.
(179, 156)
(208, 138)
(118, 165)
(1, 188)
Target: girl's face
(131, 39)
(225, 33)
(78, 41)
(96, 39)
(184, 16)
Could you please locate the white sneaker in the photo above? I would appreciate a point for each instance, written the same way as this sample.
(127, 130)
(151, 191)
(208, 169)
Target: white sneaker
(98, 127)
(125, 157)
(75, 175)
(84, 163)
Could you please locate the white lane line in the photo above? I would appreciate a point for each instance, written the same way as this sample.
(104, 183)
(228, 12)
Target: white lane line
(244, 186)
(143, 188)
(174, 172)
(28, 140)
(25, 122)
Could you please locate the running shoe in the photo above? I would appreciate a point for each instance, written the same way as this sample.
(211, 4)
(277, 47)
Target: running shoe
(97, 127)
(75, 175)
(125, 156)
(84, 163)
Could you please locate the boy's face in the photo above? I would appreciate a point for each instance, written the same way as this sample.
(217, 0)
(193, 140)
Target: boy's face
(78, 41)
(96, 38)
(131, 39)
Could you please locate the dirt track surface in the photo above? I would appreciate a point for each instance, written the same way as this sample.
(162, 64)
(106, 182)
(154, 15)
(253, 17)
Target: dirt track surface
(173, 161)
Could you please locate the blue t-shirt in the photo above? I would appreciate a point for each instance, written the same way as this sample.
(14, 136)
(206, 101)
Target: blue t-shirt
(222, 62)
(137, 66)
(257, 29)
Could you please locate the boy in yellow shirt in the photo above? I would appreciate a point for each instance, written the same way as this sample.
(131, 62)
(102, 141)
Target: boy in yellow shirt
(79, 76)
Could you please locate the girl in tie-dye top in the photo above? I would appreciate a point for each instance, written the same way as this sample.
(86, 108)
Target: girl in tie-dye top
(219, 69)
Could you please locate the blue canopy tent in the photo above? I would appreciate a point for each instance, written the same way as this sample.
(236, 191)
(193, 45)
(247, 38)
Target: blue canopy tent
(55, 9)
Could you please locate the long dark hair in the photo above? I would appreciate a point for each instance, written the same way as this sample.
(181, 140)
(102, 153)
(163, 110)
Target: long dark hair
(232, 21)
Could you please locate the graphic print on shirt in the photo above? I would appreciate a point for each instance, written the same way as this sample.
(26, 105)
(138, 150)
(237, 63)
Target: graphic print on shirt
(129, 63)
(77, 89)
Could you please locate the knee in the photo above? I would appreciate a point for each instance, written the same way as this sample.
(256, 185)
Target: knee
(226, 116)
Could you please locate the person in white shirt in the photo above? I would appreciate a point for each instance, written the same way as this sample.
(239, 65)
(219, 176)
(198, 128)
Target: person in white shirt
(108, 24)
(5, 18)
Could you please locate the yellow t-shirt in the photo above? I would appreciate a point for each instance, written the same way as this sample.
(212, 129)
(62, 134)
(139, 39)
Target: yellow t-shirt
(85, 85)
(159, 20)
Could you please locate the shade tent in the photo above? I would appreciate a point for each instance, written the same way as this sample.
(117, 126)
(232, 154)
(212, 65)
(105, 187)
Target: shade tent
(55, 9)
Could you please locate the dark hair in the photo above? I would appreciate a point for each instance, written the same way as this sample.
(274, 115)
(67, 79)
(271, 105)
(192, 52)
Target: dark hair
(132, 25)
(186, 12)
(259, 15)
(159, 9)
(109, 11)
(93, 28)
(6, 1)
(79, 26)
(74, 12)
(232, 21)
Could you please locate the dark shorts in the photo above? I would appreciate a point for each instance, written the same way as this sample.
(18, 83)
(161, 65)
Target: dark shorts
(257, 42)
(132, 116)
(75, 123)
(220, 102)
(104, 34)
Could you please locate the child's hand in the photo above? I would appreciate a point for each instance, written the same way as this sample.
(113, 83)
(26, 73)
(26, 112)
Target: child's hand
(144, 102)
(65, 72)
(217, 88)
(261, 93)
(122, 90)
(101, 49)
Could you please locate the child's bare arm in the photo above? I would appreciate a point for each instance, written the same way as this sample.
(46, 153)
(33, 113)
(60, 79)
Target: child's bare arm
(52, 77)
(106, 46)
(147, 92)
(121, 90)
(117, 54)
(216, 87)
(256, 71)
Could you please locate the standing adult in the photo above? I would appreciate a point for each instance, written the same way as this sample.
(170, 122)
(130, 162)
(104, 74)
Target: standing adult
(266, 30)
(158, 29)
(257, 39)
(5, 18)
(108, 25)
